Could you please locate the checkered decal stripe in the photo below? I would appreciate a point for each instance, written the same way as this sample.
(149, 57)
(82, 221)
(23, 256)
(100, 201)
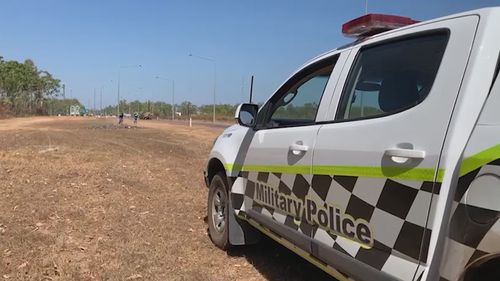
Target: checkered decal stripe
(394, 204)
(470, 240)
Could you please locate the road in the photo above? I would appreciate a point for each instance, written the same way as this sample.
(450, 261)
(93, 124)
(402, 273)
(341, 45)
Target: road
(83, 199)
(217, 124)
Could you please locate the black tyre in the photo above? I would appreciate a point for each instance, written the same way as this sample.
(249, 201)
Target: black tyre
(218, 208)
(486, 270)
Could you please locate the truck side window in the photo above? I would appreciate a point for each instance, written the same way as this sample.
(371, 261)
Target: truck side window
(296, 102)
(390, 77)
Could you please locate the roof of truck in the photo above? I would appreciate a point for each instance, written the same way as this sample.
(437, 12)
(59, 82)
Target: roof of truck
(483, 12)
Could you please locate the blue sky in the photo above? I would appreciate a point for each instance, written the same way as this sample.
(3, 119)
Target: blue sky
(84, 43)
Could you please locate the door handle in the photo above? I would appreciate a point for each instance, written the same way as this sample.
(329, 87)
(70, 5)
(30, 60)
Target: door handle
(401, 155)
(298, 148)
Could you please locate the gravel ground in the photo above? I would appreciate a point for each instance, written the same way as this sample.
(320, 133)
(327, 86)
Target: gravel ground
(84, 199)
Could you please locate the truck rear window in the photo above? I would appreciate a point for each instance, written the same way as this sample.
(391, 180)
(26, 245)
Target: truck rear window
(391, 77)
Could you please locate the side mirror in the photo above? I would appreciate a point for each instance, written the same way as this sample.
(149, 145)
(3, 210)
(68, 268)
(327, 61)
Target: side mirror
(246, 114)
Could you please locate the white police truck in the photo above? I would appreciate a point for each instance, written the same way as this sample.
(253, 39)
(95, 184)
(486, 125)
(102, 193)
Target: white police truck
(379, 160)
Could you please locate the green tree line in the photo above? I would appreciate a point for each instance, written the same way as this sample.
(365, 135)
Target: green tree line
(27, 90)
(163, 110)
(57, 106)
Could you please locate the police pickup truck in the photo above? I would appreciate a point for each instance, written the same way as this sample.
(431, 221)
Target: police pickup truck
(379, 160)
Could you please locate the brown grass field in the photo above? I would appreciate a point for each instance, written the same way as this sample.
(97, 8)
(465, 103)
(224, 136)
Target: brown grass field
(83, 199)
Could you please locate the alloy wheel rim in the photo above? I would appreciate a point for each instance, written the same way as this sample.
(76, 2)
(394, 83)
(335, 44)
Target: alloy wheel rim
(219, 210)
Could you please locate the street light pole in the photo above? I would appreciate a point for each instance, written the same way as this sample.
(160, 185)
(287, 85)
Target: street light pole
(215, 79)
(119, 78)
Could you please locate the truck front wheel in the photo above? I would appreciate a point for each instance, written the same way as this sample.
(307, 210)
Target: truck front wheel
(218, 208)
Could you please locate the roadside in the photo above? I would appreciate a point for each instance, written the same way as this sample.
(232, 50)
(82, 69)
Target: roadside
(83, 199)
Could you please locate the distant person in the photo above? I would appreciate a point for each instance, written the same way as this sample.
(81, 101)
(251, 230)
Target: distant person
(120, 118)
(136, 116)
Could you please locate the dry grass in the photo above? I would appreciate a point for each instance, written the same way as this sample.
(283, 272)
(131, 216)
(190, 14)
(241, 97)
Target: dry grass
(83, 200)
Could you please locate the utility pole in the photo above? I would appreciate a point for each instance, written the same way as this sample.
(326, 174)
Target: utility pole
(173, 93)
(100, 103)
(173, 100)
(119, 77)
(94, 102)
(242, 89)
(64, 91)
(118, 104)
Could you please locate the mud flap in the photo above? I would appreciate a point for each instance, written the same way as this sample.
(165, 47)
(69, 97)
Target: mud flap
(240, 232)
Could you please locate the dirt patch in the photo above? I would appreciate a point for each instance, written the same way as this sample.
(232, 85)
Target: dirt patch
(84, 199)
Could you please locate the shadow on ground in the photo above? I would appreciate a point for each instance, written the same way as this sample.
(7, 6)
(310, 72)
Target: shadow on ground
(277, 263)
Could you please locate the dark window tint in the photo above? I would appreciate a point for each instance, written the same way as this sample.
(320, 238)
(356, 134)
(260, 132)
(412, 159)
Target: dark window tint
(391, 77)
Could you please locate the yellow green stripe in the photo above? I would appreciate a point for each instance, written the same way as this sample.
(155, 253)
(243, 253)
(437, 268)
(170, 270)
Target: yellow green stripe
(468, 164)
(482, 158)
(295, 169)
(426, 174)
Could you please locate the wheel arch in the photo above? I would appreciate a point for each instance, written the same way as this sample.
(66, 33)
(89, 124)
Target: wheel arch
(240, 232)
(485, 268)
(214, 166)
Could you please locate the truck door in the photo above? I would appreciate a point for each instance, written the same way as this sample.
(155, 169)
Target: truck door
(276, 171)
(375, 163)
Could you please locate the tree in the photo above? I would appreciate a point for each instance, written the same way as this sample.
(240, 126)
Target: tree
(61, 106)
(187, 109)
(24, 89)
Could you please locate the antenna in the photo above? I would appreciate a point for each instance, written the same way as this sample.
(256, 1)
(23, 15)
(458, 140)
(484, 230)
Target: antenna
(366, 7)
(251, 89)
